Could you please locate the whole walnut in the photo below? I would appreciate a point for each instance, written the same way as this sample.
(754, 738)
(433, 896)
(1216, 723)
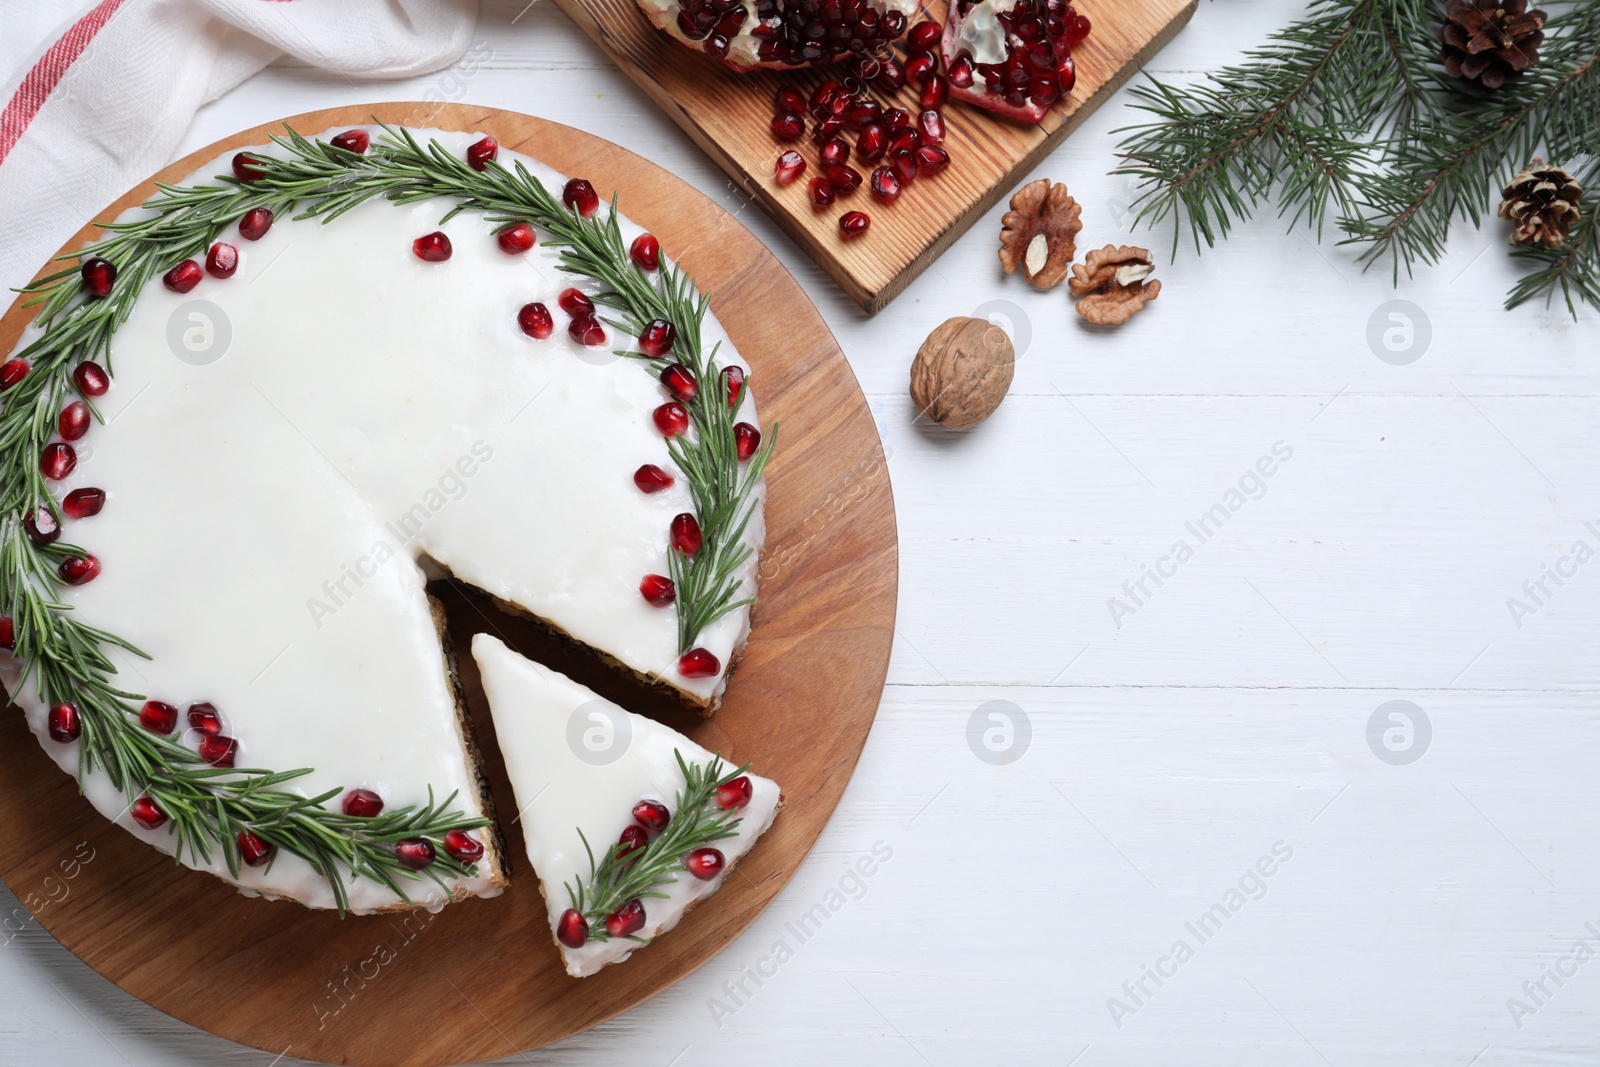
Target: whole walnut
(962, 372)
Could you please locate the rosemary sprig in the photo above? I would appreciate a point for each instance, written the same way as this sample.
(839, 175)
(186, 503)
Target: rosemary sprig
(618, 878)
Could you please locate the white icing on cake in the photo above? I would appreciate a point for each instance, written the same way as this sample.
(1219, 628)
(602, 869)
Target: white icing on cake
(563, 786)
(270, 512)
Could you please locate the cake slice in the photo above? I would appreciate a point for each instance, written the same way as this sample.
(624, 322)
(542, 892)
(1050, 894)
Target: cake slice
(628, 823)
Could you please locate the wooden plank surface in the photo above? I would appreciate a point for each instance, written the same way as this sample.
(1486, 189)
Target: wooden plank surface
(398, 990)
(727, 114)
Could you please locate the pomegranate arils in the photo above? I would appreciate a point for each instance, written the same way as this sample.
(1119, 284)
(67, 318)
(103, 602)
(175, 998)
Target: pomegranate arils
(352, 141)
(705, 863)
(821, 192)
(930, 126)
(685, 532)
(575, 303)
(98, 276)
(645, 252)
(1037, 69)
(481, 153)
(853, 224)
(904, 165)
(651, 815)
(907, 140)
(885, 186)
(222, 261)
(790, 165)
(872, 143)
(862, 114)
(824, 92)
(84, 503)
(432, 248)
(961, 73)
(896, 118)
(1077, 30)
(671, 418)
(733, 794)
(57, 460)
(931, 159)
(935, 91)
(147, 813)
(254, 224)
(628, 919)
(699, 663)
(363, 804)
(845, 180)
(632, 840)
(733, 385)
(8, 634)
(652, 479)
(827, 130)
(218, 751)
(656, 341)
(182, 278)
(415, 853)
(891, 76)
(73, 422)
(572, 929)
(579, 196)
(205, 718)
(587, 331)
(789, 126)
(924, 36)
(517, 239)
(679, 381)
(463, 847)
(788, 98)
(12, 372)
(246, 167)
(254, 849)
(64, 723)
(536, 321)
(658, 590)
(90, 379)
(42, 526)
(158, 718)
(836, 152)
(746, 439)
(921, 65)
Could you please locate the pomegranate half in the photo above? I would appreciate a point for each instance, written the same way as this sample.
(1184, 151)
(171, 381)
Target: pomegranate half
(746, 34)
(1012, 57)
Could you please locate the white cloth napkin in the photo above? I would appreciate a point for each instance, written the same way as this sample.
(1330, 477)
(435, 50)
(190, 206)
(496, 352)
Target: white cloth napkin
(100, 100)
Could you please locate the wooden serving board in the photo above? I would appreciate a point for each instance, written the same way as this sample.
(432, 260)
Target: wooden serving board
(729, 115)
(483, 979)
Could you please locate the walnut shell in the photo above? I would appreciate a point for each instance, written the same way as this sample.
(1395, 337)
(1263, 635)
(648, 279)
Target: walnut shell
(962, 372)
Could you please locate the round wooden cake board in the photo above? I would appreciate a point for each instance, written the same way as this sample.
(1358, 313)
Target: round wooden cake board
(482, 978)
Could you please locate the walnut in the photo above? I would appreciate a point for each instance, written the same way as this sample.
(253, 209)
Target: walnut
(1040, 233)
(1112, 284)
(962, 372)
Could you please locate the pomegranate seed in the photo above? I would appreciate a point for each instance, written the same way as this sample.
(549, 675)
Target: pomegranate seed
(73, 421)
(575, 303)
(147, 813)
(586, 330)
(788, 98)
(645, 252)
(8, 634)
(872, 143)
(182, 278)
(671, 418)
(254, 849)
(517, 239)
(463, 847)
(853, 224)
(536, 321)
(924, 35)
(12, 372)
(704, 863)
(628, 919)
(733, 384)
(679, 381)
(686, 533)
(651, 815)
(896, 118)
(42, 526)
(219, 750)
(632, 840)
(255, 223)
(821, 192)
(246, 167)
(699, 663)
(733, 794)
(885, 186)
(572, 929)
(935, 91)
(90, 379)
(352, 141)
(158, 718)
(222, 260)
(98, 276)
(863, 114)
(789, 126)
(790, 165)
(845, 180)
(656, 341)
(415, 853)
(930, 125)
(824, 92)
(64, 723)
(205, 718)
(961, 73)
(827, 130)
(657, 589)
(57, 460)
(481, 153)
(891, 75)
(921, 65)
(746, 439)
(84, 503)
(432, 248)
(931, 159)
(904, 165)
(1077, 30)
(652, 479)
(580, 196)
(1068, 72)
(363, 804)
(836, 151)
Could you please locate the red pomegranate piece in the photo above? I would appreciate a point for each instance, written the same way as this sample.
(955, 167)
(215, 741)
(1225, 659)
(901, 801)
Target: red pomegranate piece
(463, 847)
(885, 186)
(679, 381)
(699, 663)
(921, 65)
(222, 261)
(821, 192)
(626, 920)
(414, 853)
(12, 372)
(363, 804)
(8, 634)
(864, 113)
(671, 418)
(935, 91)
(246, 167)
(845, 180)
(746, 34)
(930, 125)
(255, 850)
(1016, 63)
(579, 196)
(904, 165)
(147, 813)
(514, 240)
(896, 118)
(733, 794)
(746, 439)
(826, 130)
(907, 140)
(64, 723)
(836, 151)
(645, 252)
(632, 841)
(586, 330)
(182, 278)
(352, 141)
(705, 863)
(853, 224)
(158, 718)
(686, 533)
(79, 570)
(789, 166)
(924, 36)
(572, 929)
(432, 248)
(651, 815)
(733, 385)
(254, 224)
(91, 379)
(98, 276)
(788, 98)
(788, 126)
(652, 479)
(536, 321)
(219, 750)
(84, 503)
(658, 590)
(931, 159)
(73, 422)
(575, 303)
(42, 526)
(481, 153)
(205, 718)
(872, 143)
(57, 460)
(891, 76)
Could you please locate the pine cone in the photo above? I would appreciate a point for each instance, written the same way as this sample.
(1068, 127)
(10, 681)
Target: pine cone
(1543, 202)
(1490, 42)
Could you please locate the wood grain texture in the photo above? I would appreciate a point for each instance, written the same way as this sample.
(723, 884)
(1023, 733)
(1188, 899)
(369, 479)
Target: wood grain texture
(727, 114)
(417, 989)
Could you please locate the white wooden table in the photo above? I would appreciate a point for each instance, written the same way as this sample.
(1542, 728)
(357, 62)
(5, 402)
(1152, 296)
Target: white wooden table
(1217, 727)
